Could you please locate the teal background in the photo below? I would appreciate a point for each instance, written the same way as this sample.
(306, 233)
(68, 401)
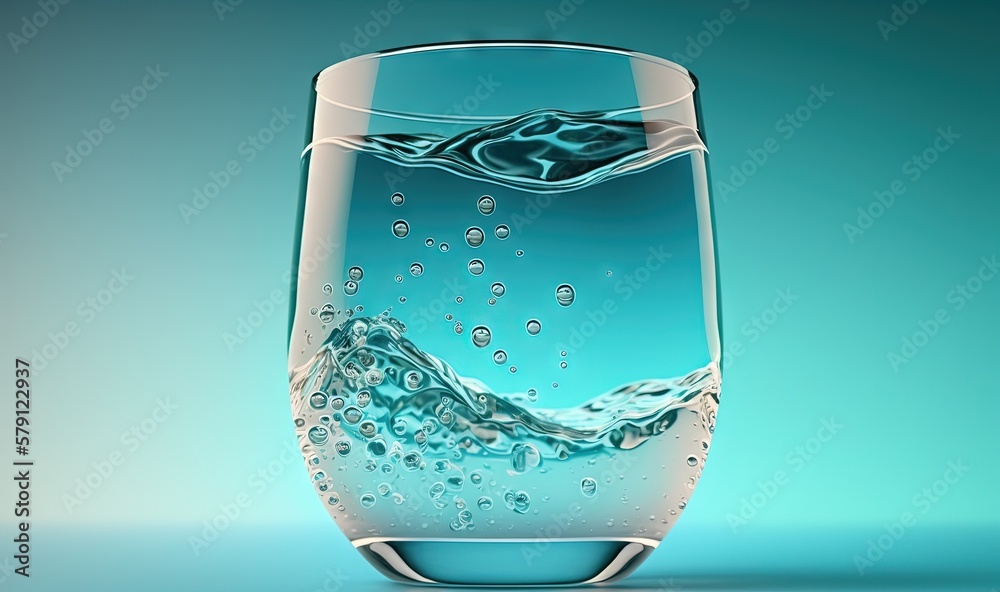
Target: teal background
(826, 356)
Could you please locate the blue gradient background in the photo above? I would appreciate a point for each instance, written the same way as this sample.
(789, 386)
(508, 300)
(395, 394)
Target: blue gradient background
(826, 357)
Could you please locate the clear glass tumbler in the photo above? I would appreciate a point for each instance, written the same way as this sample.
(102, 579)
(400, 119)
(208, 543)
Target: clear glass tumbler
(504, 337)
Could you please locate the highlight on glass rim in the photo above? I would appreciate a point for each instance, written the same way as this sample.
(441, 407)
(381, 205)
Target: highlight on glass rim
(471, 381)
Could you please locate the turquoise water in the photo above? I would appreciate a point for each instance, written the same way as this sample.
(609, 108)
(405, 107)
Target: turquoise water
(474, 372)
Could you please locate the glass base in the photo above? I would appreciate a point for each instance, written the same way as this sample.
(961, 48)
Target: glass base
(506, 562)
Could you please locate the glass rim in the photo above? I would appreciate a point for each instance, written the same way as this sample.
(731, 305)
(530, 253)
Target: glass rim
(664, 63)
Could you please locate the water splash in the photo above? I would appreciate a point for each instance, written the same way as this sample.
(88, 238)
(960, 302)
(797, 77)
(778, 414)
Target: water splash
(424, 395)
(540, 151)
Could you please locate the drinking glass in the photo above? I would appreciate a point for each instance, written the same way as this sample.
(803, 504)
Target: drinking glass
(504, 332)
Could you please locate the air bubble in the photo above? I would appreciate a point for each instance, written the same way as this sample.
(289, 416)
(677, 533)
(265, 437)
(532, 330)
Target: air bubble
(373, 377)
(429, 242)
(333, 500)
(533, 327)
(486, 205)
(436, 490)
(476, 477)
(319, 435)
(327, 314)
(562, 364)
(444, 247)
(399, 279)
(513, 369)
(375, 447)
(337, 403)
(352, 415)
(343, 447)
(400, 228)
(474, 236)
(692, 461)
(485, 503)
(532, 394)
(411, 460)
(498, 289)
(519, 253)
(588, 485)
(502, 231)
(481, 336)
(397, 199)
(313, 311)
(459, 300)
(500, 356)
(367, 429)
(350, 287)
(491, 301)
(416, 269)
(565, 295)
(476, 267)
(318, 400)
(368, 500)
(523, 458)
(448, 317)
(328, 289)
(413, 379)
(384, 489)
(521, 502)
(458, 328)
(402, 299)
